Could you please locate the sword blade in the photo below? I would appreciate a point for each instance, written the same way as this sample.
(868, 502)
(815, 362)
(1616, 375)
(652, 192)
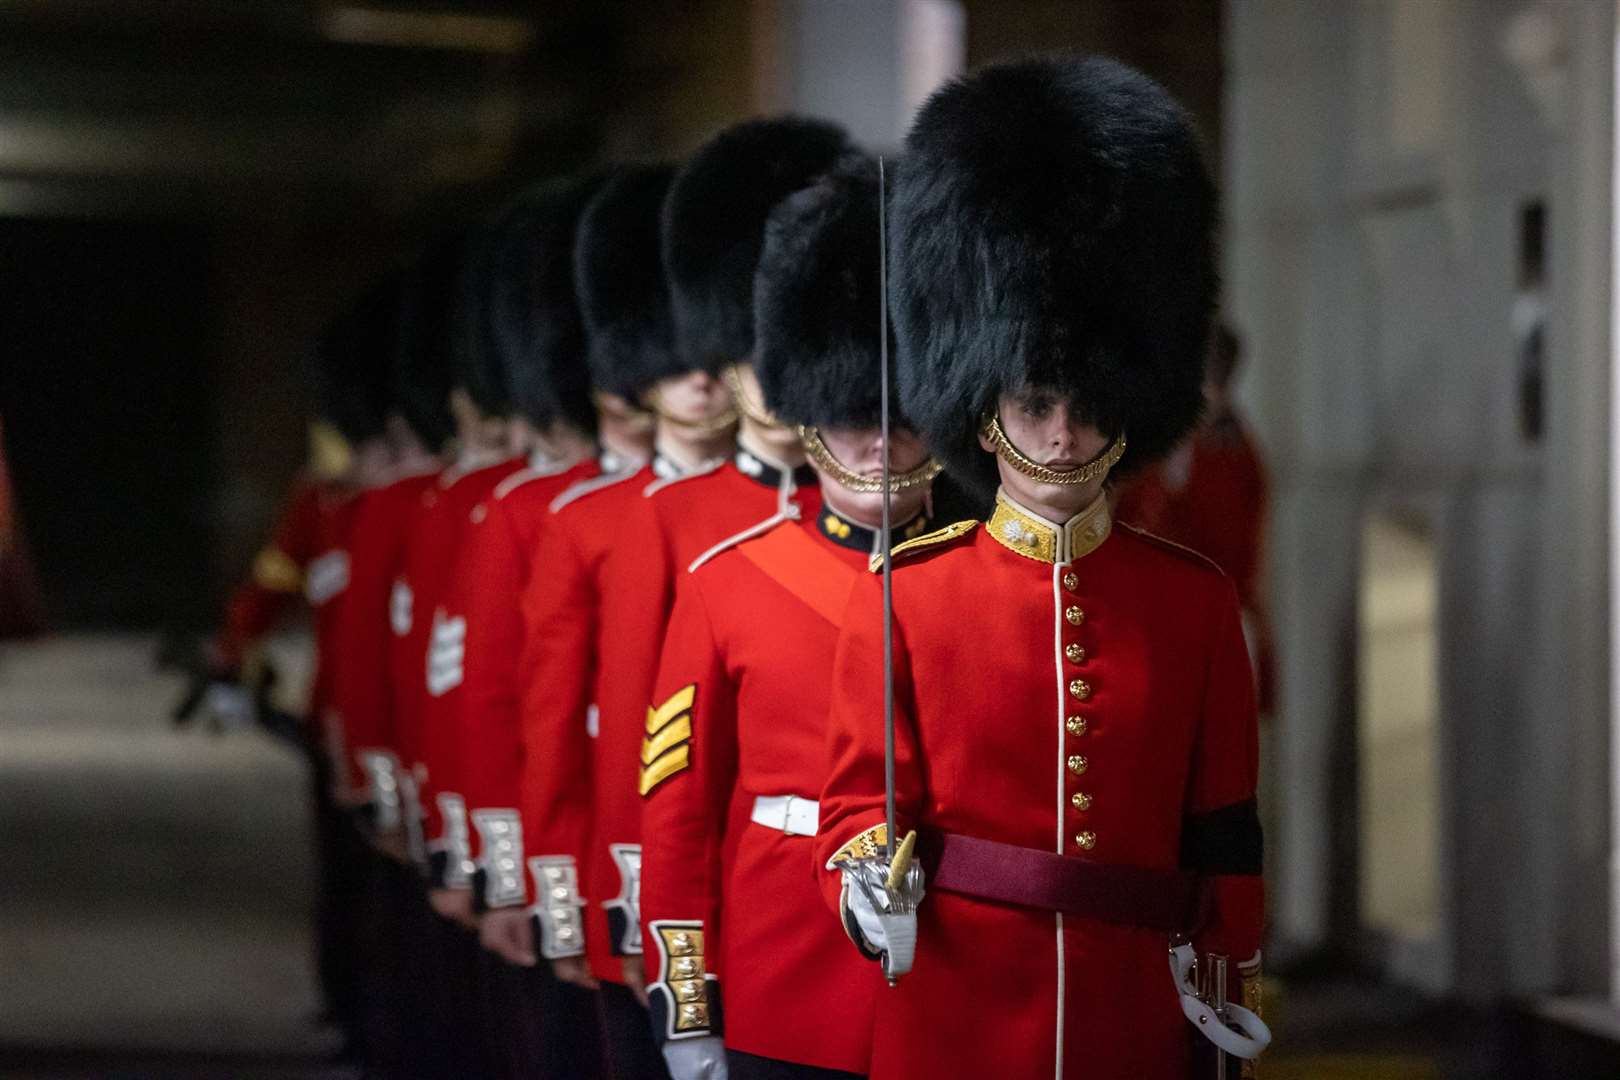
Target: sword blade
(888, 570)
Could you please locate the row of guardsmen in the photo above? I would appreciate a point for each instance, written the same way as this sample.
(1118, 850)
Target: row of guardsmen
(595, 558)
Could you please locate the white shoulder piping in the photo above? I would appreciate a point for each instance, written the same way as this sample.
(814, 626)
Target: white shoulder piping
(665, 481)
(585, 487)
(789, 513)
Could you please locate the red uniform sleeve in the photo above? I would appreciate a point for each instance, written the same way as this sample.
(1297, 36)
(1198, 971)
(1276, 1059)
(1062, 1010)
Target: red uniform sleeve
(361, 692)
(557, 670)
(1221, 838)
(852, 799)
(495, 562)
(688, 770)
(276, 580)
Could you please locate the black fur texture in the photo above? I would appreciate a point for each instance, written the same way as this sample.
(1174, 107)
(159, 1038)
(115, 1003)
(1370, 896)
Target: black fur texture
(533, 311)
(817, 302)
(714, 226)
(352, 362)
(477, 364)
(620, 282)
(1052, 225)
(421, 370)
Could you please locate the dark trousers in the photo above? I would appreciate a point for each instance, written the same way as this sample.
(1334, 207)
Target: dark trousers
(542, 1029)
(741, 1066)
(628, 1049)
(462, 955)
(340, 883)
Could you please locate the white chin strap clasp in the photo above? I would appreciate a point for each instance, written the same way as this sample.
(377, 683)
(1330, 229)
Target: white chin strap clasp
(1234, 1029)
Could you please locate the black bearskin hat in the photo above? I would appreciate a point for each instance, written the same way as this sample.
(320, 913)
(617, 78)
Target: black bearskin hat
(1052, 225)
(714, 227)
(817, 301)
(421, 377)
(352, 360)
(620, 282)
(533, 311)
(477, 363)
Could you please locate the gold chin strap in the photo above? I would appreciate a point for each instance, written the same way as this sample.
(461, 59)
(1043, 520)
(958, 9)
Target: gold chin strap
(854, 481)
(725, 418)
(1081, 474)
(755, 411)
(637, 418)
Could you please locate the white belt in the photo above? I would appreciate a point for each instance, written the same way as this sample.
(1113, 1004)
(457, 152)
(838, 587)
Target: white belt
(787, 813)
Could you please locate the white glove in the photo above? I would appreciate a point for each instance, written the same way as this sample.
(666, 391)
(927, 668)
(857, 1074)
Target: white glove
(887, 923)
(702, 1058)
(228, 706)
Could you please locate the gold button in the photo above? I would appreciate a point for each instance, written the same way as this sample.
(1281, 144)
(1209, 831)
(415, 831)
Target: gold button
(1071, 581)
(1078, 763)
(1080, 689)
(1075, 653)
(1087, 840)
(1074, 615)
(1076, 725)
(1081, 800)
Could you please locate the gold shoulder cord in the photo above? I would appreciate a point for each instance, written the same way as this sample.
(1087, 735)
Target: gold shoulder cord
(1084, 474)
(854, 481)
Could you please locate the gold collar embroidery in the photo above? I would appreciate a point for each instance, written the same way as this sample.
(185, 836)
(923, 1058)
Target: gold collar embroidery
(1032, 536)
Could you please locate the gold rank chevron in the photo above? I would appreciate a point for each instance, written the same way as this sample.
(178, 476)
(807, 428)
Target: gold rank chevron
(667, 747)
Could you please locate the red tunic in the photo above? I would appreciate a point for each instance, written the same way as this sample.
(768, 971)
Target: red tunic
(742, 697)
(1211, 496)
(594, 625)
(277, 580)
(326, 584)
(491, 575)
(425, 657)
(1085, 692)
(362, 693)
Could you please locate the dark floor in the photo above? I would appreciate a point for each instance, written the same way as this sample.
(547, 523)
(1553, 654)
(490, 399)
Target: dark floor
(154, 910)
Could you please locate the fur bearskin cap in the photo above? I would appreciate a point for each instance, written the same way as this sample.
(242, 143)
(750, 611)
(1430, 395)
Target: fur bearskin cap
(477, 364)
(714, 227)
(353, 359)
(817, 301)
(421, 371)
(620, 282)
(533, 311)
(1052, 224)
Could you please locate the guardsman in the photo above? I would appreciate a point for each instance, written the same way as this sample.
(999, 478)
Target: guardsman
(352, 366)
(1073, 711)
(742, 690)
(425, 651)
(535, 319)
(575, 766)
(404, 1020)
(712, 229)
(1209, 494)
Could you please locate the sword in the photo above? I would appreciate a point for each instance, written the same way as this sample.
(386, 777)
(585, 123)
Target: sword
(903, 883)
(888, 569)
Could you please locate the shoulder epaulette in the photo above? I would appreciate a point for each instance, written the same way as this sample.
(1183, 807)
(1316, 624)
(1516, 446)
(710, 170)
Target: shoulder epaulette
(669, 481)
(954, 531)
(1174, 548)
(586, 487)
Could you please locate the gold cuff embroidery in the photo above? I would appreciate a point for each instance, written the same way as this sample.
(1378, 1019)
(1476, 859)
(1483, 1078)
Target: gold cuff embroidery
(869, 844)
(683, 973)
